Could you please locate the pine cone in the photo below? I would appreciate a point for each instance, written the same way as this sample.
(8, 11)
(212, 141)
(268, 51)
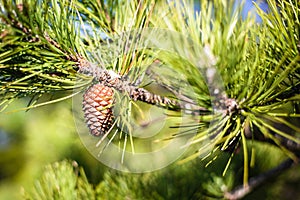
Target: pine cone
(97, 107)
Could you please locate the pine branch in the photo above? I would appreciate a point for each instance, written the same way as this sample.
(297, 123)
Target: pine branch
(32, 62)
(248, 81)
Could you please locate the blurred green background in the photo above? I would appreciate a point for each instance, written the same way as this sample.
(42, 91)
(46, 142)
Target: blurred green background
(30, 140)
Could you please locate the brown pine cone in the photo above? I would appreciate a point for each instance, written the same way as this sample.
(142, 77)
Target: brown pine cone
(97, 107)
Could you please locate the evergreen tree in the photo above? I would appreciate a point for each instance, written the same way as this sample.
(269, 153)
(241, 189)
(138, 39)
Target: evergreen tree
(224, 83)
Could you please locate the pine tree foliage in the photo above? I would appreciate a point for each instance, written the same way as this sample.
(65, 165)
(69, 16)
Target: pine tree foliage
(62, 180)
(66, 180)
(262, 78)
(32, 62)
(49, 48)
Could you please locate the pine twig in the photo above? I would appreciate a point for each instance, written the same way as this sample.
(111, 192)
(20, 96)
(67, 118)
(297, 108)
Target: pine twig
(110, 79)
(241, 191)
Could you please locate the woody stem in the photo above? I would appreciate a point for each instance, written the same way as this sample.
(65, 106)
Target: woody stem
(113, 80)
